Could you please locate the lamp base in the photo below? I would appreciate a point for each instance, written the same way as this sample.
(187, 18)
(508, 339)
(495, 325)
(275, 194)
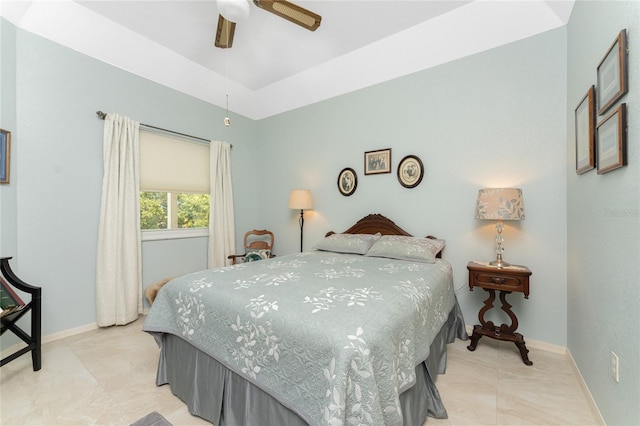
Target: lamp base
(499, 263)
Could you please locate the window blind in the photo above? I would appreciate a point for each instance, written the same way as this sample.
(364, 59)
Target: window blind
(170, 164)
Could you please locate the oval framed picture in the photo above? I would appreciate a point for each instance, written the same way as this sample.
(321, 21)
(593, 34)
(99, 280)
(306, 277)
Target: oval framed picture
(347, 181)
(410, 171)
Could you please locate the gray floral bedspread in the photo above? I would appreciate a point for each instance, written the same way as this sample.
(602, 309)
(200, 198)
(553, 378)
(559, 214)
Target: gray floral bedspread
(334, 337)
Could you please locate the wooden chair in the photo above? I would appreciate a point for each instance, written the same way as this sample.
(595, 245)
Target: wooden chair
(257, 239)
(16, 309)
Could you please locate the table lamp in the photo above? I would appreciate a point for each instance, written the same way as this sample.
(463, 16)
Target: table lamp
(500, 204)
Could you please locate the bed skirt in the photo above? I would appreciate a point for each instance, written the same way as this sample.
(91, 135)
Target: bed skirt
(219, 395)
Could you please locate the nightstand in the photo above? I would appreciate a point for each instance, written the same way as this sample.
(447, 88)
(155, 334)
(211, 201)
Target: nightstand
(505, 280)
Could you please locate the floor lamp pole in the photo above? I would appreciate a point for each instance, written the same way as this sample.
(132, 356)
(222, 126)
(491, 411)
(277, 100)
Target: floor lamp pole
(300, 199)
(301, 222)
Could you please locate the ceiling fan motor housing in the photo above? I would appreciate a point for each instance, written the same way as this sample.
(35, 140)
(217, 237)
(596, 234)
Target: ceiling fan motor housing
(234, 10)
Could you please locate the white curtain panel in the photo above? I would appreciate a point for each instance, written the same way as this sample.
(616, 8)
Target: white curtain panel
(222, 239)
(118, 269)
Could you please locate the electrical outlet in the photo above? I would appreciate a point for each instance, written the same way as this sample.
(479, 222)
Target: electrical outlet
(615, 365)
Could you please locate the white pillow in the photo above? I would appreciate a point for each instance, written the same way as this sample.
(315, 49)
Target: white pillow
(407, 248)
(348, 243)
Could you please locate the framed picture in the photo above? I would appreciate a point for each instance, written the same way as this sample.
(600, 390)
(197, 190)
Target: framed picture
(410, 171)
(585, 133)
(347, 181)
(611, 137)
(5, 155)
(612, 74)
(377, 162)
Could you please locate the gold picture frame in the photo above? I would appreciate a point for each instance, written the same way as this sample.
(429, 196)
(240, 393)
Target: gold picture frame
(611, 140)
(613, 80)
(585, 133)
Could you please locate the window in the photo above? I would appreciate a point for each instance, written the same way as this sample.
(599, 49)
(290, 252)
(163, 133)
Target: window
(174, 185)
(170, 210)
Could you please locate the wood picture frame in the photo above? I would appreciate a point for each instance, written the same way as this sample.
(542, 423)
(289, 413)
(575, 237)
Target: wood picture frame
(377, 162)
(347, 181)
(410, 171)
(613, 79)
(5, 155)
(611, 140)
(585, 126)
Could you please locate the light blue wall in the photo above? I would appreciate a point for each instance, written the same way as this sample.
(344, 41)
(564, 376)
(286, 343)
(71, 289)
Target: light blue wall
(8, 193)
(493, 119)
(59, 174)
(604, 224)
(171, 258)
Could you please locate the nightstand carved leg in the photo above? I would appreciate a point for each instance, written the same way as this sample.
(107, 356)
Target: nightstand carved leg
(523, 349)
(508, 332)
(488, 304)
(486, 325)
(506, 307)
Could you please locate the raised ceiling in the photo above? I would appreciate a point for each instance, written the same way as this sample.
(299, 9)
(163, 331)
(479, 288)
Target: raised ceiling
(274, 65)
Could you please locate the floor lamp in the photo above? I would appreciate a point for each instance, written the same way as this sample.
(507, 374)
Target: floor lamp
(300, 199)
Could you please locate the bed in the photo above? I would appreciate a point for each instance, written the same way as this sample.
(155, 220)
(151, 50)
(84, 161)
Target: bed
(351, 332)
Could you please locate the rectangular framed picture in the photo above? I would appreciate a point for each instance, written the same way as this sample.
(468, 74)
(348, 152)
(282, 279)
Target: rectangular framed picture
(5, 154)
(377, 162)
(611, 140)
(585, 133)
(612, 74)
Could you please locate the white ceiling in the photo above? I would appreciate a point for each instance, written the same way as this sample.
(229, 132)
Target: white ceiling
(274, 65)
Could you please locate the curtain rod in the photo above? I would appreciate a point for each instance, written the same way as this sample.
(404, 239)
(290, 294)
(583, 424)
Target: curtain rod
(103, 115)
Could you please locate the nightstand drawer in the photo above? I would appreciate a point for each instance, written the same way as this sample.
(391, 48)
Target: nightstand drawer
(514, 278)
(500, 282)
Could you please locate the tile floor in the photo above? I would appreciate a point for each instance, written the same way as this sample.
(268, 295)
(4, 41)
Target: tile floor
(107, 377)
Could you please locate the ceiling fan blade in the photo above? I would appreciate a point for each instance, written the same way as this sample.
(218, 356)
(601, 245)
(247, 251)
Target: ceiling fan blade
(291, 12)
(224, 33)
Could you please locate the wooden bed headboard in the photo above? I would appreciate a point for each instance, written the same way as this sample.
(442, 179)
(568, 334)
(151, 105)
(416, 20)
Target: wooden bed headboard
(374, 223)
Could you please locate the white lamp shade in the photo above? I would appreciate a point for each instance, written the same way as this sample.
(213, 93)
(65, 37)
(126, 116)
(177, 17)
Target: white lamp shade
(500, 203)
(300, 199)
(234, 10)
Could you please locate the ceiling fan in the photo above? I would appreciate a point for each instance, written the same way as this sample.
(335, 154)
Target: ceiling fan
(233, 11)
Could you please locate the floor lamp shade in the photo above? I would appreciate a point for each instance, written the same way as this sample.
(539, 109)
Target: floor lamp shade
(300, 199)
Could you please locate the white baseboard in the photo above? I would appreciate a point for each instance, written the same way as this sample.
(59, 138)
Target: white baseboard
(547, 347)
(51, 338)
(587, 392)
(68, 333)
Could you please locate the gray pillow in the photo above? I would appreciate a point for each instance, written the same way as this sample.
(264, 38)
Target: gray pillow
(407, 248)
(348, 243)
